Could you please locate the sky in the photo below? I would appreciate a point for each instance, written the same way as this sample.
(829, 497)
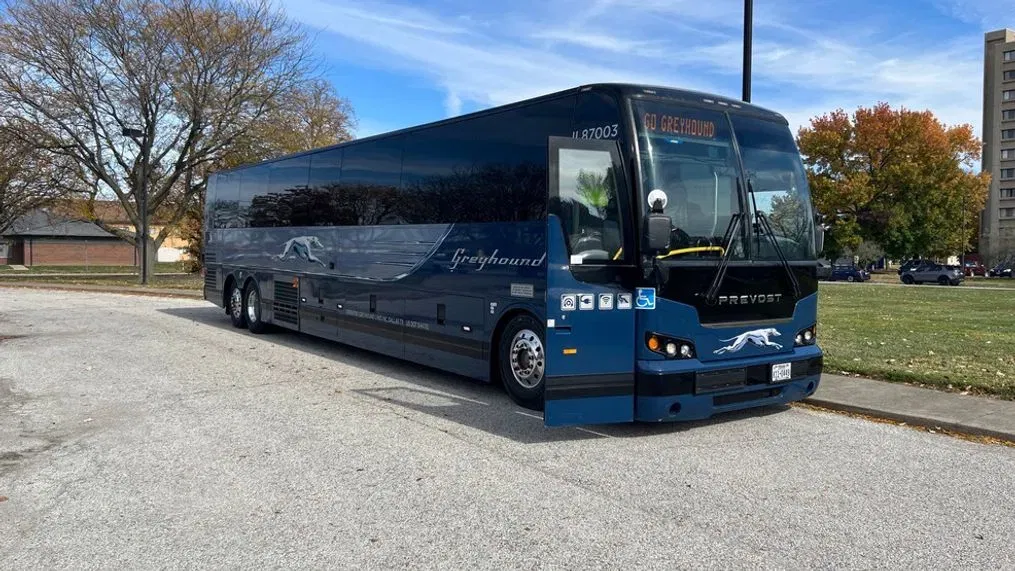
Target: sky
(407, 62)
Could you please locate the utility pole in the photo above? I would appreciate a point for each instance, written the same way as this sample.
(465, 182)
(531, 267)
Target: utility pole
(748, 26)
(142, 203)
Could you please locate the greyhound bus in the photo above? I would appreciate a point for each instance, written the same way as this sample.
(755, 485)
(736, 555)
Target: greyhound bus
(610, 253)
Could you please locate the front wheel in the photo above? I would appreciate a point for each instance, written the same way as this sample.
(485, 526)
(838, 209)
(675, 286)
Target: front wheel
(943, 280)
(908, 280)
(521, 356)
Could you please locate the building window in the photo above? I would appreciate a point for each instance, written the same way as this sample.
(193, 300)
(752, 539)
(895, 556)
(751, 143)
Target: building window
(1007, 154)
(1007, 134)
(1008, 115)
(1008, 95)
(1008, 193)
(1007, 174)
(1009, 75)
(1009, 55)
(1008, 213)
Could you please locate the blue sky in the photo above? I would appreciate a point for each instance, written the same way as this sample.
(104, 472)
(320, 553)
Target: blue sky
(405, 62)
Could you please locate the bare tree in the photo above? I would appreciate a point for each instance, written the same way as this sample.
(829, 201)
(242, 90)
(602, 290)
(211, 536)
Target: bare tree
(27, 180)
(144, 94)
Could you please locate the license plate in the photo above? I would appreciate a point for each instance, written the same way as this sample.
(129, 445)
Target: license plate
(782, 372)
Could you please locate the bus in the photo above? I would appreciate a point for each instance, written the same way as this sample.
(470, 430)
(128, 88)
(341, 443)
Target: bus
(610, 253)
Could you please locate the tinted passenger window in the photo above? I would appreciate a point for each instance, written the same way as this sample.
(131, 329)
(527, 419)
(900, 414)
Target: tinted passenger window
(253, 182)
(226, 201)
(287, 179)
(510, 154)
(437, 176)
(369, 187)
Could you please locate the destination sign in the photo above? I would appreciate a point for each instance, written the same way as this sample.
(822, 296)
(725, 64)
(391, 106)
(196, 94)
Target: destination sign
(675, 125)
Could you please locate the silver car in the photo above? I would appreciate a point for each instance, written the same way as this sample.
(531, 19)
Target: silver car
(933, 273)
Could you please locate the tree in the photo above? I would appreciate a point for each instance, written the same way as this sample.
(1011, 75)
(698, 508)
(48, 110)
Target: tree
(27, 180)
(866, 253)
(144, 94)
(895, 177)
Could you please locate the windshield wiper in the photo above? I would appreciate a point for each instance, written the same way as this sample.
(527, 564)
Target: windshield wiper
(764, 225)
(720, 273)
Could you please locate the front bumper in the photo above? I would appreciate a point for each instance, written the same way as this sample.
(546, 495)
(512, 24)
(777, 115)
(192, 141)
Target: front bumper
(692, 390)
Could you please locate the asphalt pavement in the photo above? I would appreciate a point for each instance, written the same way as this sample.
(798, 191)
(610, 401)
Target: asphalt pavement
(146, 432)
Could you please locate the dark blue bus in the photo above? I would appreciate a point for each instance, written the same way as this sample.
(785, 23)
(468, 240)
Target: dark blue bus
(611, 253)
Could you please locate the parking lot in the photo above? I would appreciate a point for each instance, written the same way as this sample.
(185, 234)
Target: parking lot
(147, 432)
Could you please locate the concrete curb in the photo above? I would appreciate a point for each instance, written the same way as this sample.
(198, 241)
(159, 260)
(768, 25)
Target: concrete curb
(152, 292)
(927, 408)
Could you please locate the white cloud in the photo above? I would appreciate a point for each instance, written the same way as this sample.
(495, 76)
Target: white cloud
(803, 64)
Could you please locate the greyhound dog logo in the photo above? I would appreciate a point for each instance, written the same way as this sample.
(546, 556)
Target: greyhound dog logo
(758, 337)
(300, 247)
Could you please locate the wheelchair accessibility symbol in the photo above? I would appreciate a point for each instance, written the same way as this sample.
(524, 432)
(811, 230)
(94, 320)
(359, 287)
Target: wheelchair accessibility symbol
(645, 298)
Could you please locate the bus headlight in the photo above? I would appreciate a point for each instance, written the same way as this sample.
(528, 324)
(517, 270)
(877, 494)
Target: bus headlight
(805, 337)
(671, 347)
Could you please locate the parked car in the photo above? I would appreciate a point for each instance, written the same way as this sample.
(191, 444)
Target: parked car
(932, 272)
(849, 274)
(910, 265)
(824, 270)
(974, 268)
(1002, 270)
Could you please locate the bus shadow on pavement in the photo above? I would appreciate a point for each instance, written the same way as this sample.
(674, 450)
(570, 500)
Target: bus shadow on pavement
(462, 400)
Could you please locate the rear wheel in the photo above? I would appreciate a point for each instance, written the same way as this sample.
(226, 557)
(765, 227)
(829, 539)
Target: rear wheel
(943, 280)
(521, 357)
(849, 278)
(252, 309)
(236, 313)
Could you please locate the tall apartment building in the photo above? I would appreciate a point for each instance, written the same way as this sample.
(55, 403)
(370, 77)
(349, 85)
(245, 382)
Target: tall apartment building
(997, 221)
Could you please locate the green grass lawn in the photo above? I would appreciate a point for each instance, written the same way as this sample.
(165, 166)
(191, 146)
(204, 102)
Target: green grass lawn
(947, 338)
(160, 268)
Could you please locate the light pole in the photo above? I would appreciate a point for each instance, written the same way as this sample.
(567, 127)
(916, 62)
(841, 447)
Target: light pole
(142, 204)
(748, 26)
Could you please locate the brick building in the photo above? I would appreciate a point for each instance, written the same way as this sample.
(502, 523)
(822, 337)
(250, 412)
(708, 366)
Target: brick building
(112, 215)
(42, 238)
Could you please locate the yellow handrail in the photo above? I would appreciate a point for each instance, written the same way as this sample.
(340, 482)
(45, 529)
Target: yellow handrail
(695, 249)
(719, 249)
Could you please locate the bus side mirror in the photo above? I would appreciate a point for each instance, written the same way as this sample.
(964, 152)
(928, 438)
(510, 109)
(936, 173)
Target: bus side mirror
(658, 228)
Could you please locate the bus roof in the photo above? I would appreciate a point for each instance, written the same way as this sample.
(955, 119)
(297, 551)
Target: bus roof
(624, 89)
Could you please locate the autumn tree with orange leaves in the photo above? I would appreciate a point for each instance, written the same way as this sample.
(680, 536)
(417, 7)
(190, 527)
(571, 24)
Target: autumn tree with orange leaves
(896, 177)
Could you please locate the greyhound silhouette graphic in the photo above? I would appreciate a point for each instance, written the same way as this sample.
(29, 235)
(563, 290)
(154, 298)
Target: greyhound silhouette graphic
(758, 337)
(301, 248)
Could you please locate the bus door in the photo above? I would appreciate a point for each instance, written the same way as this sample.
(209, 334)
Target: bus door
(590, 329)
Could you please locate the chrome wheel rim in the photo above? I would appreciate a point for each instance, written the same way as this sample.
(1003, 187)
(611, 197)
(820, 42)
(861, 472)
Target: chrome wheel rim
(236, 303)
(527, 359)
(252, 308)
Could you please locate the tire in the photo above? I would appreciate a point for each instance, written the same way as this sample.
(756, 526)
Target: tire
(908, 280)
(849, 278)
(520, 348)
(252, 308)
(943, 280)
(235, 307)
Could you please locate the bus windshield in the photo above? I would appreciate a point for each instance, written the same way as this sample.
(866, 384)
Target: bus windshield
(778, 185)
(688, 154)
